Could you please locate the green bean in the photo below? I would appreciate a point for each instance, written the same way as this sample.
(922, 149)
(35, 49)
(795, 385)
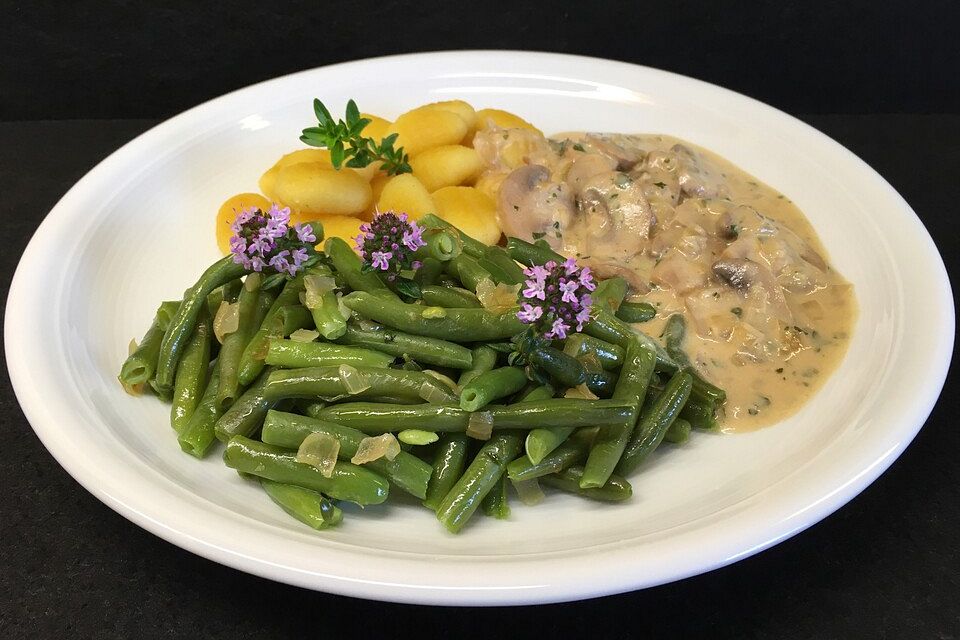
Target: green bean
(679, 431)
(347, 264)
(606, 326)
(582, 346)
(484, 359)
(653, 426)
(429, 272)
(311, 408)
(307, 506)
(562, 367)
(566, 455)
(326, 383)
(539, 392)
(609, 294)
(234, 343)
(468, 270)
(459, 325)
(451, 297)
(489, 386)
(245, 416)
(557, 413)
(167, 311)
(440, 353)
(610, 443)
(288, 430)
(443, 244)
(616, 489)
(636, 312)
(191, 378)
(601, 383)
(531, 254)
(448, 466)
(471, 246)
(674, 335)
(272, 326)
(142, 363)
(496, 504)
(198, 434)
(700, 416)
(478, 480)
(348, 482)
(327, 317)
(290, 354)
(501, 266)
(182, 325)
(226, 292)
(541, 442)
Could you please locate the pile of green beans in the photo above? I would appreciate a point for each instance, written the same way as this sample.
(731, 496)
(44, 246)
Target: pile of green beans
(476, 406)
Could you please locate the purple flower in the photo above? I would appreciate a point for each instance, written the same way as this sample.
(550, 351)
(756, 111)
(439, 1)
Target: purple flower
(388, 243)
(568, 289)
(558, 330)
(261, 245)
(299, 257)
(304, 233)
(529, 313)
(586, 279)
(413, 239)
(266, 239)
(555, 300)
(381, 259)
(535, 289)
(279, 261)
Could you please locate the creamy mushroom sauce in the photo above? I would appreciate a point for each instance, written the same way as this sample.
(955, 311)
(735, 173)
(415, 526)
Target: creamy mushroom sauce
(768, 319)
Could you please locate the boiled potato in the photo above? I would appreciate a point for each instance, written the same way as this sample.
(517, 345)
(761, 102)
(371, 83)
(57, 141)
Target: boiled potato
(228, 212)
(268, 183)
(345, 227)
(423, 128)
(470, 210)
(462, 109)
(322, 156)
(406, 194)
(376, 186)
(489, 184)
(502, 119)
(377, 129)
(446, 166)
(314, 188)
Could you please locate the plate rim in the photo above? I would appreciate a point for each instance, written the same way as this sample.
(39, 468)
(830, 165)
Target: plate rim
(15, 315)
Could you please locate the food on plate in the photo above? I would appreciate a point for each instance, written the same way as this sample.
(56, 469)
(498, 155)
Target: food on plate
(514, 310)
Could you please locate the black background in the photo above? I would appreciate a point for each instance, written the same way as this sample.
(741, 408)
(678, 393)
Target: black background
(79, 79)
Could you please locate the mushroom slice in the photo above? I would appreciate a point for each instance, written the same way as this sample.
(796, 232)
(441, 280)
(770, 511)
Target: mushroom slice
(530, 205)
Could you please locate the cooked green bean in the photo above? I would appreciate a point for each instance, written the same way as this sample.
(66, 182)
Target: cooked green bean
(290, 354)
(448, 465)
(562, 367)
(557, 413)
(501, 266)
(539, 392)
(327, 317)
(142, 363)
(183, 324)
(496, 504)
(459, 325)
(168, 310)
(541, 442)
(674, 335)
(226, 292)
(491, 385)
(452, 297)
(471, 246)
(700, 416)
(306, 505)
(606, 326)
(443, 244)
(348, 265)
(326, 383)
(484, 359)
(478, 480)
(653, 426)
(440, 353)
(234, 343)
(245, 416)
(288, 430)
(679, 431)
(468, 270)
(616, 489)
(566, 455)
(610, 443)
(531, 254)
(601, 383)
(609, 294)
(636, 311)
(582, 346)
(348, 482)
(196, 437)
(191, 378)
(272, 326)
(429, 272)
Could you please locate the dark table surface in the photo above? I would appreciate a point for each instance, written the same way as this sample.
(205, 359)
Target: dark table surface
(884, 566)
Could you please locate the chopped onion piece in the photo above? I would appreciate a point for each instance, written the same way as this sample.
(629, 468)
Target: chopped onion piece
(353, 381)
(434, 312)
(345, 311)
(375, 447)
(368, 325)
(580, 392)
(591, 362)
(497, 297)
(304, 335)
(314, 287)
(431, 394)
(444, 379)
(319, 450)
(227, 320)
(252, 281)
(132, 346)
(529, 491)
(417, 436)
(480, 425)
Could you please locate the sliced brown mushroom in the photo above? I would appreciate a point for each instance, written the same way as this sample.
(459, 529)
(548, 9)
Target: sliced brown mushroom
(530, 204)
(746, 276)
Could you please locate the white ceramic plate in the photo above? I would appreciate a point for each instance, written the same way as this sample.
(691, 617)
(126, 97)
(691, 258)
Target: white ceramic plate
(138, 229)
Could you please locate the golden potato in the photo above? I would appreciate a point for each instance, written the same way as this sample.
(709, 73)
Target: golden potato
(470, 210)
(462, 109)
(376, 186)
(228, 212)
(268, 183)
(446, 166)
(489, 184)
(314, 188)
(322, 156)
(502, 119)
(406, 194)
(377, 129)
(423, 128)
